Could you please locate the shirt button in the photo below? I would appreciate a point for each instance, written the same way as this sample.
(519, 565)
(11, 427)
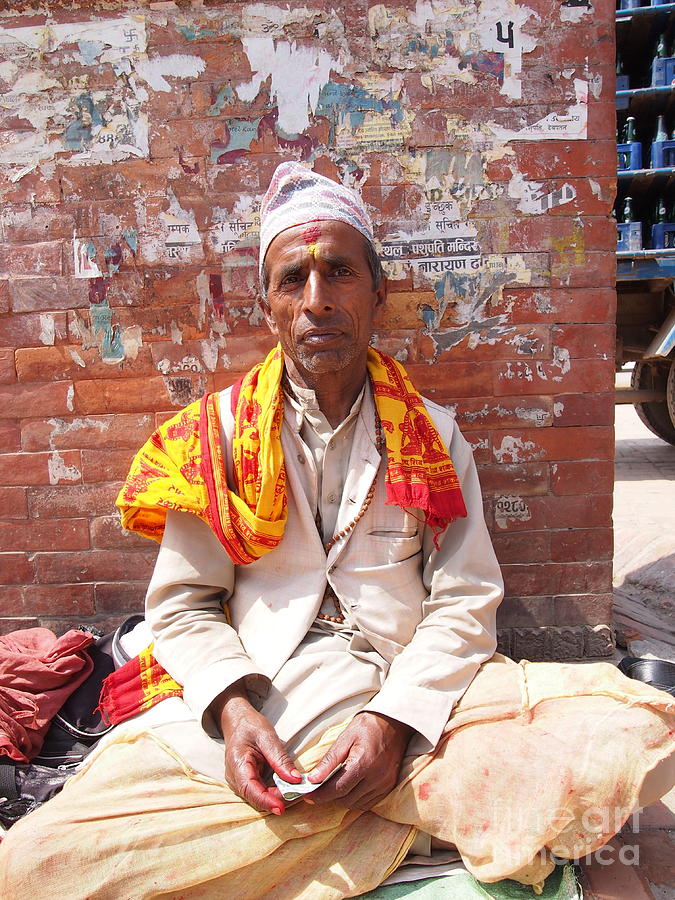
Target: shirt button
(301, 459)
(331, 445)
(331, 498)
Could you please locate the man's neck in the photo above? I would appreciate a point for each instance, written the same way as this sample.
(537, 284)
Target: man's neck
(335, 393)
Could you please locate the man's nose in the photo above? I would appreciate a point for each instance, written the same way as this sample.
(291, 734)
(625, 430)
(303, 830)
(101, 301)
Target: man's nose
(317, 295)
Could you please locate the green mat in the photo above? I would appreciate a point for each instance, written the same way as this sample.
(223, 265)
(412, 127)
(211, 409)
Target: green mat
(560, 885)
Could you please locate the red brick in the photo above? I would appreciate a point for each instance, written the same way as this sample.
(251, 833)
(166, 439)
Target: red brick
(106, 465)
(445, 382)
(7, 368)
(524, 305)
(32, 294)
(31, 259)
(507, 412)
(13, 503)
(529, 342)
(37, 223)
(10, 436)
(65, 362)
(481, 446)
(591, 609)
(583, 409)
(53, 599)
(68, 501)
(37, 399)
(564, 376)
(34, 468)
(522, 547)
(586, 341)
(515, 513)
(32, 329)
(526, 479)
(4, 295)
(581, 544)
(91, 565)
(122, 430)
(126, 395)
(595, 477)
(53, 534)
(572, 269)
(16, 568)
(574, 511)
(554, 444)
(551, 233)
(517, 612)
(35, 187)
(557, 578)
(121, 596)
(7, 626)
(108, 534)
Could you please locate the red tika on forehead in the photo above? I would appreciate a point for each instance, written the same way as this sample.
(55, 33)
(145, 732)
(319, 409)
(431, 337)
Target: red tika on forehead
(309, 235)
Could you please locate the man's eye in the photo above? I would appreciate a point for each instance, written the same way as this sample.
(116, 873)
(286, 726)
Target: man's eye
(289, 279)
(342, 271)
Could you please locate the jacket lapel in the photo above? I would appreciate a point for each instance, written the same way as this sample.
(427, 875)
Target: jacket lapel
(364, 462)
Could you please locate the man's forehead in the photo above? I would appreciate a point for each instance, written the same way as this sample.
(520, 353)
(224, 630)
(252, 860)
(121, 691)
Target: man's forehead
(325, 236)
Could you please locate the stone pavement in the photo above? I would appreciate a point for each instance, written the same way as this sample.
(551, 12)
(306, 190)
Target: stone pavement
(639, 864)
(644, 531)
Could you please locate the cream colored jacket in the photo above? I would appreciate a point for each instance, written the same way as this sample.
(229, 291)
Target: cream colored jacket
(429, 613)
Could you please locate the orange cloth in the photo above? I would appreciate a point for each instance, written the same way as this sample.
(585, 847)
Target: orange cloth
(181, 466)
(136, 686)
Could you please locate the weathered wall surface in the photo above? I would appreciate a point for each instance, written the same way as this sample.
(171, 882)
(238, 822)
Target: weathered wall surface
(136, 141)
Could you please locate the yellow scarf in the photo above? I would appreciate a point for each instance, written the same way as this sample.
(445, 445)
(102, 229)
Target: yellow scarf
(181, 465)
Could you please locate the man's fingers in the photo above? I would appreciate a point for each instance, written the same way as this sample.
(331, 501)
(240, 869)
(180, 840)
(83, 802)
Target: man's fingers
(279, 760)
(337, 754)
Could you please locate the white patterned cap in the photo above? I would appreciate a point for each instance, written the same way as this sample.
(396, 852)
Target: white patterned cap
(297, 196)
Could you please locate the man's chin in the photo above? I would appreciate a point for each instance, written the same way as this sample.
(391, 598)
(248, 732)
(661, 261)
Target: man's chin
(325, 361)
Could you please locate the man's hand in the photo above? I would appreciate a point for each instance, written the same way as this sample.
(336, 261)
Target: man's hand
(251, 744)
(372, 748)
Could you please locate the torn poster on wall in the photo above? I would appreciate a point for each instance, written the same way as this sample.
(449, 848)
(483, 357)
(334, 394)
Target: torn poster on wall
(452, 248)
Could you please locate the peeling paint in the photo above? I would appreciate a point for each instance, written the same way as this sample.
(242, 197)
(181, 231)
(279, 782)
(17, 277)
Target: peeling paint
(558, 408)
(62, 426)
(47, 329)
(297, 75)
(59, 471)
(177, 65)
(77, 359)
(561, 360)
(511, 508)
(70, 398)
(531, 198)
(515, 449)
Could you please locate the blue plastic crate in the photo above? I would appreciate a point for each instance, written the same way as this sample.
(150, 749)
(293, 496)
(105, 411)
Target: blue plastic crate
(629, 236)
(663, 71)
(629, 156)
(663, 235)
(662, 154)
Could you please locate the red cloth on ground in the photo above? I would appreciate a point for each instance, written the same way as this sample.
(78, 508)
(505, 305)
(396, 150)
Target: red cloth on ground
(38, 672)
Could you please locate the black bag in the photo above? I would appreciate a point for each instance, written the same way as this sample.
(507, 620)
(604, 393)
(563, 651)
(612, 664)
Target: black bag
(77, 726)
(72, 735)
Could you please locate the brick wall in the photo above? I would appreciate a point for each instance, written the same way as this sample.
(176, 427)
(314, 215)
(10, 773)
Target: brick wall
(136, 142)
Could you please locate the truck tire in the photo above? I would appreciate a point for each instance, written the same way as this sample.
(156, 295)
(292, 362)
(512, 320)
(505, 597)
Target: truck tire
(655, 414)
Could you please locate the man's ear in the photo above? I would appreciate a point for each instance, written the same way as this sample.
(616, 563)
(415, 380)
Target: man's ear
(380, 299)
(269, 318)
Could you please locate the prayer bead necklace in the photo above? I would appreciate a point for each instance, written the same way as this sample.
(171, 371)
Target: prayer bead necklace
(338, 619)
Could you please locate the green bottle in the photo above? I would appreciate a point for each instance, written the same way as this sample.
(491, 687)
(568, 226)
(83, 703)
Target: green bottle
(661, 51)
(627, 210)
(660, 212)
(629, 132)
(661, 134)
